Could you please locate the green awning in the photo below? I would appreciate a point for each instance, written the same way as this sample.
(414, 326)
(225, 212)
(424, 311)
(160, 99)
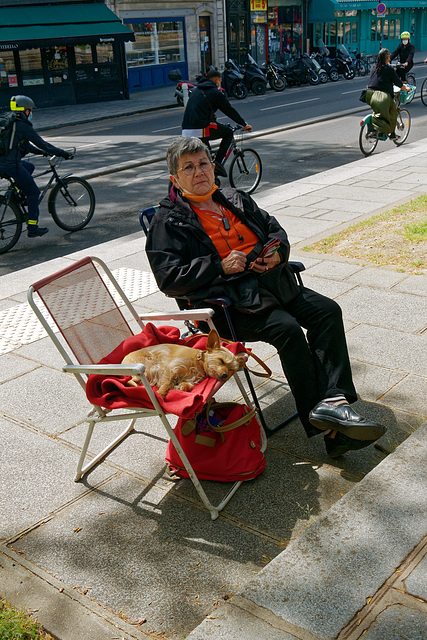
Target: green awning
(47, 25)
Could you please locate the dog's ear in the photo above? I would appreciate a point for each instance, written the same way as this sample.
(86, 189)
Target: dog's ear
(241, 360)
(213, 340)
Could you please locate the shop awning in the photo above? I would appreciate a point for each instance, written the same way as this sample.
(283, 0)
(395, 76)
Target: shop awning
(47, 25)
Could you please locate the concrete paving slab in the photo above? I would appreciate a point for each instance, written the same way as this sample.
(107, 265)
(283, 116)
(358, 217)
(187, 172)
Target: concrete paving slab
(373, 382)
(351, 550)
(409, 395)
(340, 215)
(173, 562)
(388, 309)
(416, 582)
(400, 623)
(330, 288)
(378, 277)
(50, 412)
(232, 623)
(12, 366)
(416, 284)
(335, 269)
(359, 194)
(388, 348)
(32, 491)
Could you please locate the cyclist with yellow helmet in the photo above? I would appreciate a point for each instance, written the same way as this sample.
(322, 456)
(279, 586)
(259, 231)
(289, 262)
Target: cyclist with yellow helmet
(405, 52)
(23, 140)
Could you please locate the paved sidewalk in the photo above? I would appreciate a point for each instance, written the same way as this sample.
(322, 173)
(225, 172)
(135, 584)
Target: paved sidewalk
(313, 549)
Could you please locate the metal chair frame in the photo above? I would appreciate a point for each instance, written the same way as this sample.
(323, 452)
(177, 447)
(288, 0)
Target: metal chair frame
(145, 217)
(99, 275)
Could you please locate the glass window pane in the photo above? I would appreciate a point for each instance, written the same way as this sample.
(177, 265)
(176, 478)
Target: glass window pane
(385, 29)
(355, 35)
(57, 64)
(83, 54)
(397, 34)
(392, 29)
(156, 43)
(8, 77)
(332, 32)
(340, 32)
(373, 29)
(347, 32)
(31, 65)
(104, 52)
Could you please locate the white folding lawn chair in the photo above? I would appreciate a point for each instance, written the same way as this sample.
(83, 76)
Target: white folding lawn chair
(84, 302)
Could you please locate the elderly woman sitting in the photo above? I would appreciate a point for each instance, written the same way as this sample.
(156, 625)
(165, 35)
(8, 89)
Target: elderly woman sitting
(204, 242)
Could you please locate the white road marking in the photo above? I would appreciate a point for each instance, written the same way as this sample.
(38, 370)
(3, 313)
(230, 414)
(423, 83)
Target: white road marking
(288, 104)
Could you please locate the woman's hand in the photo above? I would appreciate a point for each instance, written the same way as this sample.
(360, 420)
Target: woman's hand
(261, 266)
(235, 262)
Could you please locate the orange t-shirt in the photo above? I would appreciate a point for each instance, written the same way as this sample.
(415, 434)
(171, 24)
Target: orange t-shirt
(226, 231)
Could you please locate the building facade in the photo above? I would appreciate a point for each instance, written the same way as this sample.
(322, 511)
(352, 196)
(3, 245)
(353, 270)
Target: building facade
(64, 52)
(174, 34)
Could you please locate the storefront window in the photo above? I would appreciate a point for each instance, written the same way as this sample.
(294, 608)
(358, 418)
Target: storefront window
(284, 32)
(83, 54)
(8, 77)
(31, 65)
(104, 52)
(385, 29)
(57, 64)
(156, 43)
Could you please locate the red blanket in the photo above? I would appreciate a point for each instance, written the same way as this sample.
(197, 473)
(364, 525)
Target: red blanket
(111, 391)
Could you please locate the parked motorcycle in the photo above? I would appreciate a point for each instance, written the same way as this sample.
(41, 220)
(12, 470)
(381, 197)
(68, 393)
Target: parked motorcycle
(176, 76)
(323, 76)
(300, 71)
(253, 76)
(344, 63)
(275, 75)
(232, 81)
(326, 63)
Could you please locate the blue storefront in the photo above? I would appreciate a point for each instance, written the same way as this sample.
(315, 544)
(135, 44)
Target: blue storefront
(358, 26)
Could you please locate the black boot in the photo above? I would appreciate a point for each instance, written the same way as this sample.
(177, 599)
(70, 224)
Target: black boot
(36, 232)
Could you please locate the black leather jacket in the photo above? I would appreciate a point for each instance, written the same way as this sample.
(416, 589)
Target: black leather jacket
(186, 264)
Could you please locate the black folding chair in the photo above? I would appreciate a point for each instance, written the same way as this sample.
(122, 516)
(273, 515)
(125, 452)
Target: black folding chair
(145, 218)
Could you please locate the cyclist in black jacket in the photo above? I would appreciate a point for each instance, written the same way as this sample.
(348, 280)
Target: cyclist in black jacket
(405, 52)
(26, 140)
(199, 117)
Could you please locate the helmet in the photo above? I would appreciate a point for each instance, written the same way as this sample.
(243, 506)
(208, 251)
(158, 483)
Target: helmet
(405, 35)
(20, 103)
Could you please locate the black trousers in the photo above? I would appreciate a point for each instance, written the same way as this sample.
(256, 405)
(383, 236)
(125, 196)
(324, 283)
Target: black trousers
(316, 363)
(221, 131)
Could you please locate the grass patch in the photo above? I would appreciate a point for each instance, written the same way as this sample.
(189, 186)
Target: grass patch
(397, 238)
(19, 625)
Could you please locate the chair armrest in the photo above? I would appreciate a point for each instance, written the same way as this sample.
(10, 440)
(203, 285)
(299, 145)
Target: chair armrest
(221, 301)
(296, 267)
(191, 314)
(106, 369)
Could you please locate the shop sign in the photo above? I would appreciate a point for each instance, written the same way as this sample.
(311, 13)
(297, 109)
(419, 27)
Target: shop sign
(106, 39)
(9, 46)
(381, 9)
(12, 80)
(258, 5)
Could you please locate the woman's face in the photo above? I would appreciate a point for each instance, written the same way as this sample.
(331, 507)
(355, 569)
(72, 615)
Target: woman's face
(195, 173)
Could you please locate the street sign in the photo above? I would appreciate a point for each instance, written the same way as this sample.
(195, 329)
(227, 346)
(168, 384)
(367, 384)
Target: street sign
(381, 9)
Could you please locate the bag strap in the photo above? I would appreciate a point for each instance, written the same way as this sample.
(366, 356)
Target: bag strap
(247, 417)
(260, 374)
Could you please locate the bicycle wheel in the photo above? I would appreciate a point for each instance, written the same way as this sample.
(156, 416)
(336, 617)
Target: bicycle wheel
(410, 79)
(10, 224)
(424, 92)
(72, 203)
(403, 126)
(367, 140)
(245, 170)
(360, 68)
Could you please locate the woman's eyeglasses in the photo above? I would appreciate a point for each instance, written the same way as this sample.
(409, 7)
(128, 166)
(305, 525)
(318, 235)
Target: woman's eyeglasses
(189, 168)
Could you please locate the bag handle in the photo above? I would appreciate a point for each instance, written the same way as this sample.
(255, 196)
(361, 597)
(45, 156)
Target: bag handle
(260, 374)
(247, 417)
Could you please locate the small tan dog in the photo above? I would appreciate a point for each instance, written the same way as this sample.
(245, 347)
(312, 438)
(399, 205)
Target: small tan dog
(174, 366)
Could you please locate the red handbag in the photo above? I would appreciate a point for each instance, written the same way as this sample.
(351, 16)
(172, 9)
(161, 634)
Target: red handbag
(222, 443)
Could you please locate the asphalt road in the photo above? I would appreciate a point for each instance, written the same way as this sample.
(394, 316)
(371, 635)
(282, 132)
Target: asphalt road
(286, 155)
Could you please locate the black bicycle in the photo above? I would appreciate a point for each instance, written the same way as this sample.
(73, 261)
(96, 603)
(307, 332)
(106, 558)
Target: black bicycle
(245, 169)
(71, 203)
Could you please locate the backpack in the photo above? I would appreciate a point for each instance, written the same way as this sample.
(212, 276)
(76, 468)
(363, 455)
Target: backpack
(7, 132)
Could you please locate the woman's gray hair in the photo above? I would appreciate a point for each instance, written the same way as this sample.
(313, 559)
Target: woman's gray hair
(181, 146)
